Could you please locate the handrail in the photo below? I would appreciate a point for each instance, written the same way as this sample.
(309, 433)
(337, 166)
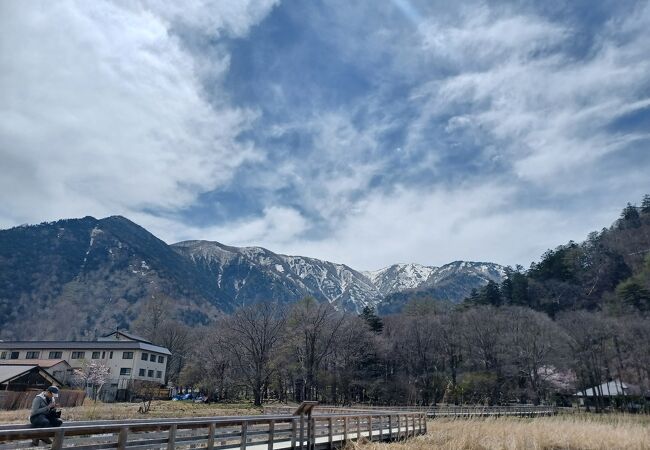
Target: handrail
(440, 411)
(251, 432)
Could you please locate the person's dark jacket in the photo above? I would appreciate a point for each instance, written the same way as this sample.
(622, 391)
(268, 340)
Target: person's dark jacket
(40, 405)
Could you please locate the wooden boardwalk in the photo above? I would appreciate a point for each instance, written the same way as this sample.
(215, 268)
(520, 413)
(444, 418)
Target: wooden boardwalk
(267, 432)
(458, 411)
(278, 428)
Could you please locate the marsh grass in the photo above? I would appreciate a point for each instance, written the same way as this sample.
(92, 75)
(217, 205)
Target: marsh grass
(570, 432)
(115, 411)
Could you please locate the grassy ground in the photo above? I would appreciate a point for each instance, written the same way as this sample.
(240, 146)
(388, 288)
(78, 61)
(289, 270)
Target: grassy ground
(113, 411)
(601, 432)
(571, 432)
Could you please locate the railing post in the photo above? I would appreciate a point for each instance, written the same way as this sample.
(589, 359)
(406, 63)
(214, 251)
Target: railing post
(358, 428)
(330, 432)
(211, 430)
(294, 432)
(302, 431)
(381, 428)
(312, 433)
(399, 426)
(122, 438)
(271, 434)
(171, 441)
(390, 427)
(345, 429)
(58, 439)
(244, 435)
(370, 428)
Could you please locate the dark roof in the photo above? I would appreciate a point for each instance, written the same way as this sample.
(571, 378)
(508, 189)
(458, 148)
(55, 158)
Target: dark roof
(83, 345)
(8, 373)
(128, 335)
(46, 363)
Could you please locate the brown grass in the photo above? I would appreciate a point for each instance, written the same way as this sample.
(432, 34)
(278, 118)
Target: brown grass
(604, 432)
(159, 409)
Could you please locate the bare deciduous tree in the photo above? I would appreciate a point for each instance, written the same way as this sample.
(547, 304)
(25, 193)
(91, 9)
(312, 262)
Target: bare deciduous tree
(253, 335)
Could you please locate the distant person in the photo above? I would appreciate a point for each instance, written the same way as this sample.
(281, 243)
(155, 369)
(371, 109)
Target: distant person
(44, 413)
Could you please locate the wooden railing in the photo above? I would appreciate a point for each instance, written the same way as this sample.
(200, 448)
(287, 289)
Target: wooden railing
(266, 432)
(435, 411)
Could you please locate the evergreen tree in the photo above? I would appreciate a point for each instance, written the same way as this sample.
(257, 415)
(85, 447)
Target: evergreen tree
(374, 322)
(506, 288)
(491, 294)
(520, 289)
(645, 204)
(629, 217)
(634, 294)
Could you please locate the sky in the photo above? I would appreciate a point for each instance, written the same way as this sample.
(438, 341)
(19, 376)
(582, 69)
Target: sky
(366, 133)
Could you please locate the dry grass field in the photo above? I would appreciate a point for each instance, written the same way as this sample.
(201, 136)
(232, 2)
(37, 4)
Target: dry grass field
(114, 411)
(570, 432)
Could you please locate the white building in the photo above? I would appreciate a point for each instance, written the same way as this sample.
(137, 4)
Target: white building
(127, 356)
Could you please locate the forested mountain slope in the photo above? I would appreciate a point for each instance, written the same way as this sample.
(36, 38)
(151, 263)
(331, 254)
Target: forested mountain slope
(609, 271)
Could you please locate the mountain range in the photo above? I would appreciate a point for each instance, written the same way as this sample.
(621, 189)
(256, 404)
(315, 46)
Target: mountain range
(71, 277)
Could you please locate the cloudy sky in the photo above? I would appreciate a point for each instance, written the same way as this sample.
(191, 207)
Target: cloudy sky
(366, 133)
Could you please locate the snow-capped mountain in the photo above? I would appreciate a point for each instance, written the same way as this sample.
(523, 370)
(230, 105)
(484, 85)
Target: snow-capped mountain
(452, 282)
(253, 273)
(100, 271)
(402, 277)
(250, 274)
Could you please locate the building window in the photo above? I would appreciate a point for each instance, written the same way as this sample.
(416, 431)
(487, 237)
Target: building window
(33, 355)
(103, 355)
(78, 355)
(56, 355)
(161, 359)
(14, 355)
(150, 374)
(158, 374)
(141, 373)
(3, 355)
(127, 355)
(125, 371)
(145, 356)
(95, 355)
(110, 356)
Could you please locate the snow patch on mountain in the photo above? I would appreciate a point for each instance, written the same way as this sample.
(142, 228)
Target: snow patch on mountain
(259, 273)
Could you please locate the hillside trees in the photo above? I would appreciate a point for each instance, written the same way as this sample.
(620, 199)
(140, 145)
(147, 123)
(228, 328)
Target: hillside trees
(209, 367)
(156, 323)
(312, 330)
(253, 336)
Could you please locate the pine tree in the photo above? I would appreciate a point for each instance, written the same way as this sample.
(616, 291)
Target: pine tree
(645, 204)
(506, 289)
(491, 294)
(629, 217)
(634, 294)
(374, 322)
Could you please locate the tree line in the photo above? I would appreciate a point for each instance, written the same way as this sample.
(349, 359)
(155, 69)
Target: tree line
(431, 352)
(576, 319)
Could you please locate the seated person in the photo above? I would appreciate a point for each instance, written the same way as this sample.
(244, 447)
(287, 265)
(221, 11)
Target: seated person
(43, 413)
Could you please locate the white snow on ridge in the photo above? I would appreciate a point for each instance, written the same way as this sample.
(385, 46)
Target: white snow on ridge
(399, 277)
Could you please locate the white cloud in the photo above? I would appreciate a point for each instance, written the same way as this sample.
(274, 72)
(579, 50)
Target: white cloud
(275, 228)
(213, 17)
(473, 222)
(102, 112)
(547, 111)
